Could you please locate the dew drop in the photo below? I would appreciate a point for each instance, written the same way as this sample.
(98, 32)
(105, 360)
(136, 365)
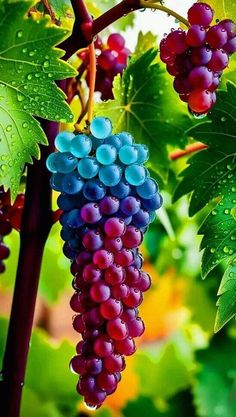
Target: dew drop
(226, 249)
(19, 34)
(9, 128)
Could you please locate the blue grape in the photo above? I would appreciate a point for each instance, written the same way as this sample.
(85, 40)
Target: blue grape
(75, 244)
(128, 154)
(135, 174)
(148, 189)
(63, 141)
(121, 190)
(63, 218)
(80, 146)
(68, 252)
(88, 167)
(141, 219)
(153, 203)
(74, 219)
(122, 215)
(51, 162)
(56, 182)
(110, 175)
(143, 153)
(130, 205)
(67, 202)
(94, 190)
(72, 183)
(106, 154)
(101, 127)
(115, 141)
(65, 162)
(126, 138)
(67, 233)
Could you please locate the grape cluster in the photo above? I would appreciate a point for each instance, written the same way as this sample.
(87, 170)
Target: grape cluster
(108, 201)
(197, 58)
(112, 60)
(10, 217)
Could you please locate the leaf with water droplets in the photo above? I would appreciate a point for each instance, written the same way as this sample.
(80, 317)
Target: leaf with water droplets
(29, 65)
(227, 293)
(145, 105)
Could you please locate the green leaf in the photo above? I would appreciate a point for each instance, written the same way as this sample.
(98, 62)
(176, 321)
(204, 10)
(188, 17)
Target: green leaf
(29, 65)
(146, 105)
(145, 42)
(214, 389)
(227, 301)
(219, 230)
(62, 9)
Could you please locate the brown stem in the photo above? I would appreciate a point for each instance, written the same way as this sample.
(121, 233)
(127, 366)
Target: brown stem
(198, 146)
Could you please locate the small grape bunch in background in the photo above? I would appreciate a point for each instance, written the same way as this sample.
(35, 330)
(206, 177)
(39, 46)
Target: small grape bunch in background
(108, 200)
(197, 58)
(112, 60)
(10, 217)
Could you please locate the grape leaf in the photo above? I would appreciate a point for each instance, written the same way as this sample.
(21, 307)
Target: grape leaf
(29, 65)
(145, 42)
(211, 177)
(62, 9)
(146, 105)
(227, 301)
(214, 388)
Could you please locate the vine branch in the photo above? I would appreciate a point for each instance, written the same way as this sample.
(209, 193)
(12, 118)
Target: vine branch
(179, 153)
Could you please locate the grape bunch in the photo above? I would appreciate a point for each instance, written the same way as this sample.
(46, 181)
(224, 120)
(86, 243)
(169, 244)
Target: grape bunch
(112, 60)
(10, 217)
(108, 200)
(197, 58)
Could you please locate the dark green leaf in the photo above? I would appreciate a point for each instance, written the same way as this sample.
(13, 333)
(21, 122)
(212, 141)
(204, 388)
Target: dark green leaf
(29, 65)
(146, 105)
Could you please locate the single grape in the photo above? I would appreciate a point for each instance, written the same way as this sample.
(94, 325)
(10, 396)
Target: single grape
(72, 183)
(114, 274)
(4, 251)
(200, 101)
(56, 181)
(65, 162)
(124, 257)
(120, 291)
(63, 141)
(229, 26)
(92, 240)
(106, 381)
(182, 85)
(74, 218)
(80, 146)
(136, 327)
(88, 167)
(93, 318)
(101, 127)
(116, 42)
(114, 363)
(110, 175)
(230, 46)
(103, 259)
(106, 154)
(111, 309)
(165, 54)
(125, 347)
(94, 190)
(109, 205)
(196, 35)
(219, 60)
(215, 82)
(123, 56)
(201, 55)
(144, 282)
(200, 14)
(132, 276)
(117, 329)
(78, 323)
(86, 384)
(132, 237)
(100, 292)
(200, 77)
(114, 141)
(128, 154)
(148, 189)
(51, 162)
(216, 36)
(176, 42)
(153, 203)
(126, 138)
(114, 227)
(121, 190)
(91, 273)
(90, 213)
(135, 174)
(103, 346)
(113, 245)
(134, 298)
(130, 205)
(78, 365)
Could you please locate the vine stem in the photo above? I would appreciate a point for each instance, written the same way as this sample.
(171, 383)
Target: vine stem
(92, 80)
(147, 4)
(179, 153)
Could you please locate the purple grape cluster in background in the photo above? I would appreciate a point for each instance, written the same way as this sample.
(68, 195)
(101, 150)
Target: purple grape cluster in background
(197, 58)
(108, 200)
